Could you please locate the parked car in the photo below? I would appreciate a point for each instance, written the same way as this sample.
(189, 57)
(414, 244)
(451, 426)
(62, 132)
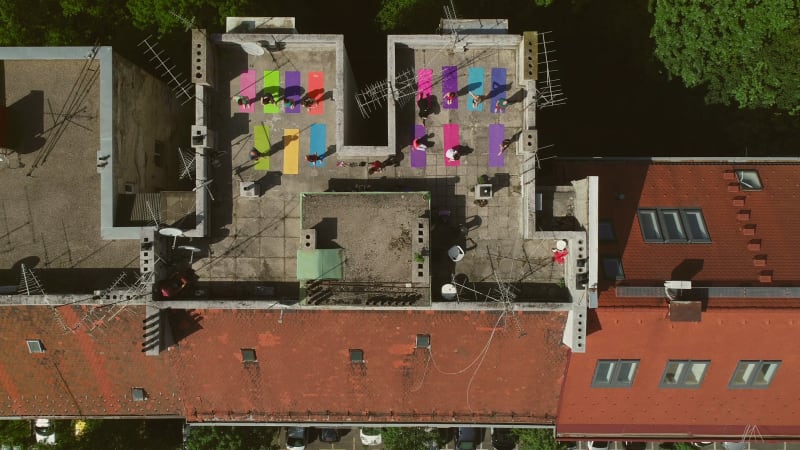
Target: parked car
(503, 439)
(296, 438)
(467, 438)
(371, 436)
(44, 431)
(598, 445)
(635, 445)
(329, 435)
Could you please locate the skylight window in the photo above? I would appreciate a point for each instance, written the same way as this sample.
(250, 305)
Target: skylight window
(356, 356)
(138, 394)
(605, 231)
(615, 372)
(684, 374)
(423, 341)
(612, 267)
(754, 374)
(249, 355)
(35, 346)
(749, 180)
(674, 225)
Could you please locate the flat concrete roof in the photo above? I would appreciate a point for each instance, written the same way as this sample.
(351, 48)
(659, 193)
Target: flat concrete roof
(51, 219)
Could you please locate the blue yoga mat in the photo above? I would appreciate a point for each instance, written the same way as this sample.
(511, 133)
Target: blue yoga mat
(475, 84)
(318, 142)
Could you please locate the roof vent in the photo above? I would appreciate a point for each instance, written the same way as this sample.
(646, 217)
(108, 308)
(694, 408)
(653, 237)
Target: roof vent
(749, 229)
(673, 288)
(733, 187)
(729, 175)
(765, 276)
(738, 201)
(754, 245)
(760, 260)
(743, 215)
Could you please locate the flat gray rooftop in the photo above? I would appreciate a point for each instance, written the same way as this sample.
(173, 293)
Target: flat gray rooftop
(51, 219)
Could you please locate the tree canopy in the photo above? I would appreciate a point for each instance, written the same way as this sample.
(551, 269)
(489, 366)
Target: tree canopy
(742, 51)
(537, 439)
(395, 438)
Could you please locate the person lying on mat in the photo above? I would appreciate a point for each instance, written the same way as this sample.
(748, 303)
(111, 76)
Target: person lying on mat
(425, 107)
(419, 145)
(268, 99)
(504, 146)
(452, 154)
(449, 97)
(254, 155)
(241, 100)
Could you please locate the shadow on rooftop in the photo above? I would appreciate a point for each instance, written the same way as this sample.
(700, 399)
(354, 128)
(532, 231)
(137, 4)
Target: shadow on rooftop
(26, 123)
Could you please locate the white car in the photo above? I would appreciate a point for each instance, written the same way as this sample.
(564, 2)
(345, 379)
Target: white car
(598, 445)
(296, 438)
(371, 436)
(45, 434)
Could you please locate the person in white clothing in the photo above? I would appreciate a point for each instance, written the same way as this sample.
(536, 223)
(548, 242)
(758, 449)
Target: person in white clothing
(451, 154)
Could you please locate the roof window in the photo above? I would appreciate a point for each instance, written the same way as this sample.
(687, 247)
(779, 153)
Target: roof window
(754, 374)
(357, 356)
(615, 372)
(423, 341)
(248, 355)
(138, 394)
(35, 346)
(749, 180)
(673, 225)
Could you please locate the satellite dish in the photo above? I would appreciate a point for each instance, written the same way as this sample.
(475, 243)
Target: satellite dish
(561, 245)
(173, 232)
(192, 250)
(252, 48)
(448, 291)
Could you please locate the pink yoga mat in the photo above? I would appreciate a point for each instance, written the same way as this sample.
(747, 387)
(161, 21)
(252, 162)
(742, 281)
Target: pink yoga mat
(247, 86)
(450, 140)
(316, 88)
(424, 82)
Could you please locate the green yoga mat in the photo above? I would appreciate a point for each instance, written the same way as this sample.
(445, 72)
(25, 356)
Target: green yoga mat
(261, 143)
(272, 80)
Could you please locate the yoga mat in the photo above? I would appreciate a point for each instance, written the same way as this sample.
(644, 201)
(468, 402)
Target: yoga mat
(272, 82)
(449, 84)
(475, 78)
(450, 140)
(424, 82)
(292, 91)
(316, 89)
(496, 133)
(291, 151)
(418, 158)
(498, 85)
(261, 143)
(318, 143)
(247, 85)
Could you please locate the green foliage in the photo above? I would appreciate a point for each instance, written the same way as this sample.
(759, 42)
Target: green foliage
(394, 12)
(537, 439)
(230, 438)
(742, 51)
(203, 13)
(395, 438)
(15, 432)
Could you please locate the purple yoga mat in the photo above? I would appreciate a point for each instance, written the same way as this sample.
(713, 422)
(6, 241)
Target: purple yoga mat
(292, 92)
(496, 133)
(498, 89)
(417, 157)
(449, 84)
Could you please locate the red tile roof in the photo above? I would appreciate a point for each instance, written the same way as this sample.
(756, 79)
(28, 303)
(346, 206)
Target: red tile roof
(304, 372)
(727, 260)
(725, 336)
(81, 373)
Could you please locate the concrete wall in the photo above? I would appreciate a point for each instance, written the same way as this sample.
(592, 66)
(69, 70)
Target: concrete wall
(145, 121)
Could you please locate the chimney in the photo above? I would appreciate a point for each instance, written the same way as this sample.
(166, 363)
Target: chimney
(754, 245)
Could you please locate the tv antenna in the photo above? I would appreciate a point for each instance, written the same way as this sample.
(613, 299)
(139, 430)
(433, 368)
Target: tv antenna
(192, 250)
(187, 161)
(174, 233)
(204, 185)
(181, 87)
(551, 93)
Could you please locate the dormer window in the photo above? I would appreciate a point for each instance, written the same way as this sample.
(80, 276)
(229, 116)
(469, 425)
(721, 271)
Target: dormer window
(748, 180)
